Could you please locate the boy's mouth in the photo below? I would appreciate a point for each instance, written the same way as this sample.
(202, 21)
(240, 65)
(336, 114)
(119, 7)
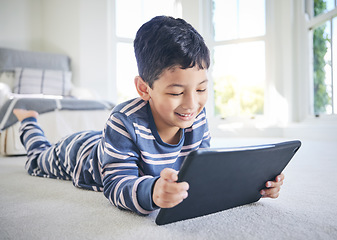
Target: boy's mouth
(185, 116)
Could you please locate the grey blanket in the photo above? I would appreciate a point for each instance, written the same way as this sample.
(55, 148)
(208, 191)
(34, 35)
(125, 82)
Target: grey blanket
(43, 105)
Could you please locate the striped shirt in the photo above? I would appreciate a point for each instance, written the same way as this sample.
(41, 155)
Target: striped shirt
(124, 161)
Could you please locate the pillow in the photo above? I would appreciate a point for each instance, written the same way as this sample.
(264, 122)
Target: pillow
(5, 92)
(8, 78)
(42, 81)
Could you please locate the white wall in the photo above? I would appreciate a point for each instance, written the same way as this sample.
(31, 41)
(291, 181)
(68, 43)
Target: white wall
(20, 24)
(78, 28)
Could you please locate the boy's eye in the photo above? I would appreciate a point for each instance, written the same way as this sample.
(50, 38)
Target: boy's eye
(176, 94)
(202, 90)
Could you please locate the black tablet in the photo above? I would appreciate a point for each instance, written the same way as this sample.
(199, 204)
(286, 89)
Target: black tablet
(220, 179)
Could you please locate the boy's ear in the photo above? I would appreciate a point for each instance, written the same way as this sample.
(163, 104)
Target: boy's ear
(142, 88)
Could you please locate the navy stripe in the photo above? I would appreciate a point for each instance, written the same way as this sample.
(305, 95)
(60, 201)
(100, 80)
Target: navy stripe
(123, 164)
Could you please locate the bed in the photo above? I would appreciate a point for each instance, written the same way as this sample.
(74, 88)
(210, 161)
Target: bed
(43, 82)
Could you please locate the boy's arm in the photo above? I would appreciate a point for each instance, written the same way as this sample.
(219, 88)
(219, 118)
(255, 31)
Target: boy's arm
(122, 183)
(127, 191)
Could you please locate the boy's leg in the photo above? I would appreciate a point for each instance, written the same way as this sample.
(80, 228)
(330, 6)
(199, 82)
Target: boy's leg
(42, 160)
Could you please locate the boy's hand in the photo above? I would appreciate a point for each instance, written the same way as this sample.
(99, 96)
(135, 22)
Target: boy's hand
(167, 192)
(273, 187)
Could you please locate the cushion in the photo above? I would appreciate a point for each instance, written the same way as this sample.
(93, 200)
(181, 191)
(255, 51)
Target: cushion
(42, 81)
(8, 78)
(5, 92)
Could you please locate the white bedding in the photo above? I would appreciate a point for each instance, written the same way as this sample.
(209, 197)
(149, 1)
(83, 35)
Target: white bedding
(51, 73)
(55, 124)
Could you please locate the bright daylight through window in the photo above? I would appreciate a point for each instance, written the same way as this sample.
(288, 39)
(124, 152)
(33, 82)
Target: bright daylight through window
(128, 20)
(324, 56)
(239, 57)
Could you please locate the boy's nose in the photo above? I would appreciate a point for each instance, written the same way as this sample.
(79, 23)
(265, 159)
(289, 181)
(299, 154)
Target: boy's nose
(189, 101)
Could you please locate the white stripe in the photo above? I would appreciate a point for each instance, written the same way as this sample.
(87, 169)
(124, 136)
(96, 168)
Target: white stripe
(159, 162)
(134, 195)
(185, 153)
(163, 155)
(191, 146)
(135, 109)
(188, 130)
(200, 116)
(109, 172)
(118, 185)
(29, 132)
(122, 201)
(85, 150)
(116, 155)
(33, 140)
(119, 176)
(113, 118)
(150, 137)
(196, 125)
(199, 124)
(78, 167)
(91, 169)
(130, 104)
(116, 165)
(140, 127)
(68, 149)
(108, 145)
(117, 129)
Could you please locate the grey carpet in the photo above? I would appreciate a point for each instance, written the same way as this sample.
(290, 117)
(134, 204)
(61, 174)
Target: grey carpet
(37, 208)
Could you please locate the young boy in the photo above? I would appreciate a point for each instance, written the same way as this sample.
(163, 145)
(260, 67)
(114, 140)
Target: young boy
(135, 160)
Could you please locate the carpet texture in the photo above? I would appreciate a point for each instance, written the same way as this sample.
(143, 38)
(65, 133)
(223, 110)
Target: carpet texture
(38, 208)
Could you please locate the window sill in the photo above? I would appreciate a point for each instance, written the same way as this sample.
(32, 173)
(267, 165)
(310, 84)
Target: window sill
(322, 128)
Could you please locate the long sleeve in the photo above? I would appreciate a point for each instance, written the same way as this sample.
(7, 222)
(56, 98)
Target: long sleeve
(133, 154)
(122, 183)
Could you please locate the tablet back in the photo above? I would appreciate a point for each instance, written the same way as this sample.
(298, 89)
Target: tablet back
(220, 179)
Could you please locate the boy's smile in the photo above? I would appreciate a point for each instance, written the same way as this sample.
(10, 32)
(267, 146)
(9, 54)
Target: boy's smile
(176, 98)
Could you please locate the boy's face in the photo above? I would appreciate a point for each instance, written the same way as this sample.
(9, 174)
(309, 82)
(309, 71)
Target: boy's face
(177, 97)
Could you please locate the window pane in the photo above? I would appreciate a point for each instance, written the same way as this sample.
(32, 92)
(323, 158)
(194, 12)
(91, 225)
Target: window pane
(126, 72)
(239, 79)
(334, 57)
(131, 14)
(238, 19)
(322, 69)
(225, 19)
(252, 18)
(323, 6)
(127, 26)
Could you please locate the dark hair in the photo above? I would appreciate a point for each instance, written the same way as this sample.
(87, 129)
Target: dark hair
(165, 42)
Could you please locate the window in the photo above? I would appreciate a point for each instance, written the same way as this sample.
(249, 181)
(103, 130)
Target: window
(238, 47)
(323, 28)
(129, 16)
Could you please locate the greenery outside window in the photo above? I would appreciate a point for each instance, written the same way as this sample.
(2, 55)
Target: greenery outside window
(238, 46)
(324, 29)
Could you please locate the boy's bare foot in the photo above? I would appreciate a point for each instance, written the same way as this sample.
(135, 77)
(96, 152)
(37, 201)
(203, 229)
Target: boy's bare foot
(22, 114)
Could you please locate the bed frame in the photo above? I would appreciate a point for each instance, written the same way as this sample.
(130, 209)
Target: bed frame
(58, 121)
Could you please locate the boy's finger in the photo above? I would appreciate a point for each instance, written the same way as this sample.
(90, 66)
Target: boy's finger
(169, 174)
(174, 187)
(270, 191)
(271, 184)
(279, 178)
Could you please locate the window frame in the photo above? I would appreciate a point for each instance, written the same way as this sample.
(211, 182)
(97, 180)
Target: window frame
(208, 33)
(312, 23)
